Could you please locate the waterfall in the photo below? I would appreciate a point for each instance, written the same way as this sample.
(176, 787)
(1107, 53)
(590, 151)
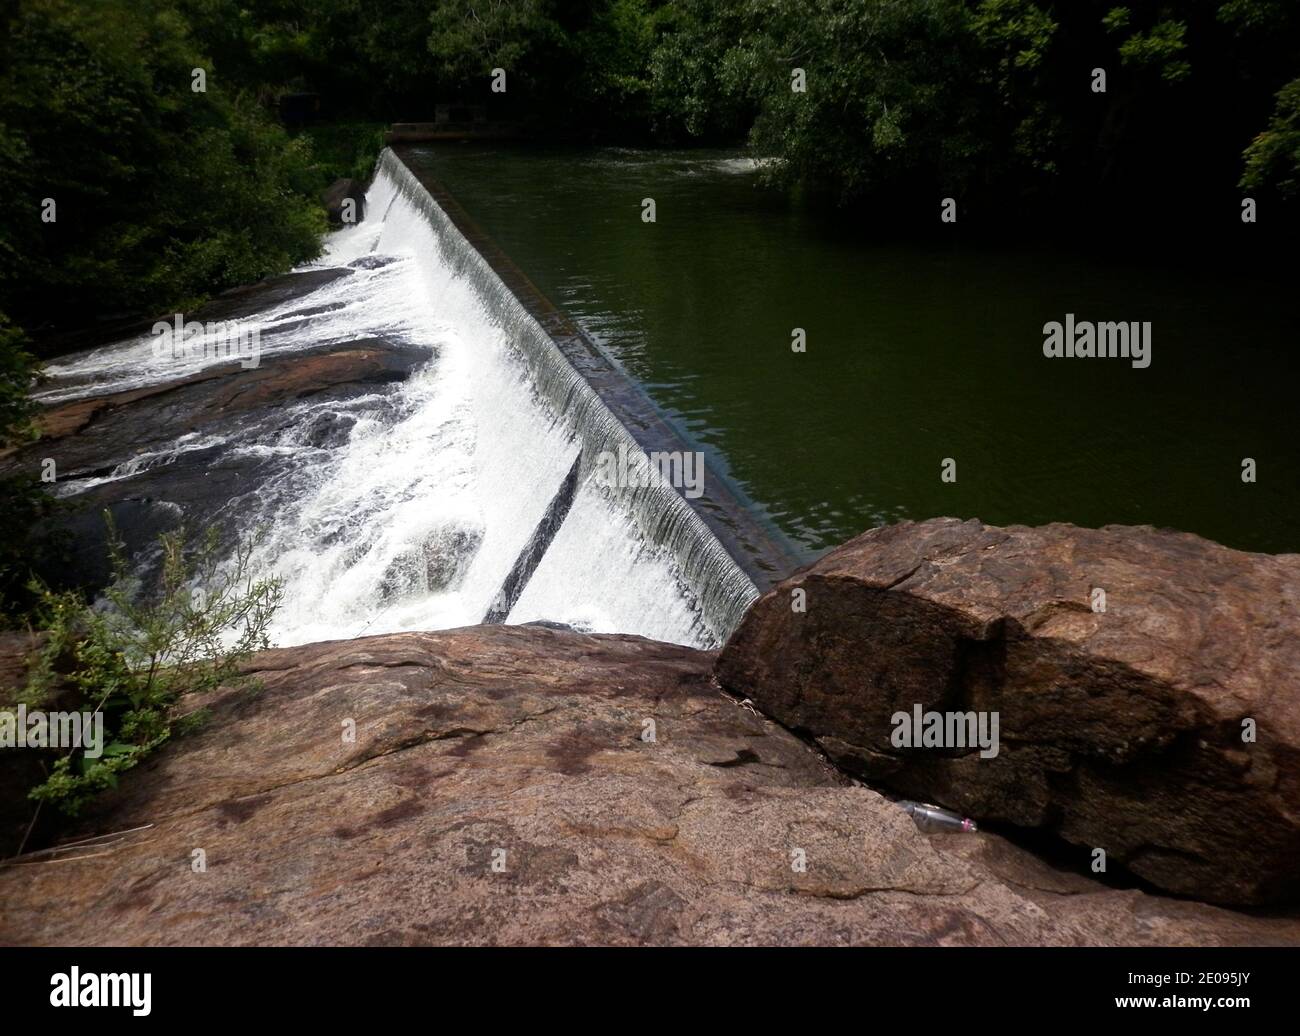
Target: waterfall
(716, 588)
(467, 490)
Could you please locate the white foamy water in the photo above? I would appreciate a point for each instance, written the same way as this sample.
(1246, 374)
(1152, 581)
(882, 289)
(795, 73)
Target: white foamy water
(414, 511)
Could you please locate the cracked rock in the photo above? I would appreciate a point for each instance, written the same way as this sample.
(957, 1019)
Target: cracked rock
(499, 790)
(1122, 727)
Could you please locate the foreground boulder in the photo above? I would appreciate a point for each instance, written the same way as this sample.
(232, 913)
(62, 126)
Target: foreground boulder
(1164, 729)
(505, 785)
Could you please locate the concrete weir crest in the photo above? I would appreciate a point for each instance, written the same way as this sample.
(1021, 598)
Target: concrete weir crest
(722, 551)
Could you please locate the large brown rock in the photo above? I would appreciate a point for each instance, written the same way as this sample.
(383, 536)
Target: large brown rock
(1120, 730)
(525, 745)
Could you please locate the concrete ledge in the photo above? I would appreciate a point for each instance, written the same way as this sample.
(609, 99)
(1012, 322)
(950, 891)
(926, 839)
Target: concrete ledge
(415, 132)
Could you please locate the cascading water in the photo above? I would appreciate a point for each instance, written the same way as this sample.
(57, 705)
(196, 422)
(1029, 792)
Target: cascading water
(420, 506)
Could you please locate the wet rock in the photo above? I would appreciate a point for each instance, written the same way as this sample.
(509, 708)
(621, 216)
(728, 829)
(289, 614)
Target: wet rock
(448, 552)
(373, 262)
(339, 192)
(99, 432)
(250, 299)
(502, 788)
(171, 451)
(402, 577)
(137, 525)
(437, 564)
(241, 301)
(1127, 729)
(328, 430)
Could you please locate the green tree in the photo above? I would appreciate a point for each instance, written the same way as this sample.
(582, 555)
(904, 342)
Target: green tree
(892, 89)
(162, 194)
(568, 64)
(135, 655)
(989, 100)
(1273, 157)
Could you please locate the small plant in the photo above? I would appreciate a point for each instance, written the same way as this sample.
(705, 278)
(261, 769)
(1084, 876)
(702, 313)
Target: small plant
(136, 651)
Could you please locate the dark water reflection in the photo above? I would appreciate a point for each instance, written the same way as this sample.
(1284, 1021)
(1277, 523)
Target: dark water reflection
(915, 353)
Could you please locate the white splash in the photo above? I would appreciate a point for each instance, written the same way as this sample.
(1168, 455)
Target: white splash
(414, 516)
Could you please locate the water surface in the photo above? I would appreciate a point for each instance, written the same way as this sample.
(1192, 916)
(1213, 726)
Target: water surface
(915, 353)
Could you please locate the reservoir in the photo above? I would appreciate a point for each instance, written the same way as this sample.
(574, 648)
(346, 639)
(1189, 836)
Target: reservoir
(914, 352)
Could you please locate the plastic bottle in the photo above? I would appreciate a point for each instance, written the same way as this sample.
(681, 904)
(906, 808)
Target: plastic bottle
(933, 819)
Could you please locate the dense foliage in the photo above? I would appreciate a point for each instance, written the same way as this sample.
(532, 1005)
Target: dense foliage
(164, 194)
(158, 192)
(991, 100)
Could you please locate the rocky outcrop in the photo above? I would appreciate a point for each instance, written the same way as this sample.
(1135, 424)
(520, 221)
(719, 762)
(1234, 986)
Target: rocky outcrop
(1164, 729)
(170, 453)
(526, 785)
(229, 305)
(137, 432)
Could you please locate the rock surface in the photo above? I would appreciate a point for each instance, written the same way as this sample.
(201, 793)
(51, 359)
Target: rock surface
(1120, 730)
(131, 439)
(524, 746)
(340, 191)
(173, 452)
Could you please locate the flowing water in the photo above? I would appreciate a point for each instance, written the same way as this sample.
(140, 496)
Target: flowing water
(467, 491)
(417, 519)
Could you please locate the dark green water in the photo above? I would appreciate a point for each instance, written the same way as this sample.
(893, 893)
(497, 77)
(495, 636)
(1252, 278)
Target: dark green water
(915, 353)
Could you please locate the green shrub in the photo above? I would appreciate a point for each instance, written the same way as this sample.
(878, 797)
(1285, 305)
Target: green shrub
(22, 501)
(1273, 157)
(134, 654)
(17, 369)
